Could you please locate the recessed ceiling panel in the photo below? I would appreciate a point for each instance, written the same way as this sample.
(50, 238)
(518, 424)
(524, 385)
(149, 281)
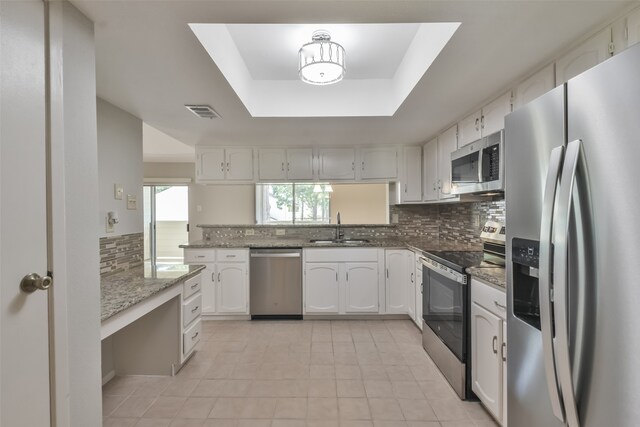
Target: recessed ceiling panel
(384, 62)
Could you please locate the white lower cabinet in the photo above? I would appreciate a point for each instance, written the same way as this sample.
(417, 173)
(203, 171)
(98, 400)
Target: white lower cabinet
(411, 290)
(342, 281)
(488, 348)
(418, 271)
(225, 280)
(396, 280)
(322, 292)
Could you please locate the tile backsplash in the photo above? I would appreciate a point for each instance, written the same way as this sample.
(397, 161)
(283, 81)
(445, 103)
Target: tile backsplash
(120, 253)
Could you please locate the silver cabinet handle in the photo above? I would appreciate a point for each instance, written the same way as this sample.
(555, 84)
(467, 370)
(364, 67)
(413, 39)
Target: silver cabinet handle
(195, 309)
(288, 166)
(544, 287)
(572, 160)
(213, 277)
(482, 122)
(363, 166)
(387, 273)
(195, 336)
(477, 123)
(195, 285)
(412, 277)
(336, 276)
(218, 277)
(222, 166)
(494, 344)
(353, 166)
(405, 188)
(227, 166)
(347, 276)
(230, 256)
(32, 282)
(503, 351)
(500, 305)
(282, 166)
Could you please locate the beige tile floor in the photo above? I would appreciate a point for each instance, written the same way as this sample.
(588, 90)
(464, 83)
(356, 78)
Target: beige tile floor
(296, 373)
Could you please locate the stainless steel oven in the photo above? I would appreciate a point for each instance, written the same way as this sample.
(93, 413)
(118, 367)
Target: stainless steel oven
(479, 167)
(445, 336)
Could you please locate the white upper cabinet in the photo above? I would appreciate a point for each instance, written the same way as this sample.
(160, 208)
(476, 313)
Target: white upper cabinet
(633, 27)
(493, 114)
(396, 280)
(272, 164)
(210, 164)
(469, 128)
(278, 164)
(224, 164)
(300, 163)
(378, 163)
(411, 183)
(361, 287)
(590, 53)
(447, 144)
(430, 171)
(538, 84)
(322, 287)
(336, 163)
(239, 164)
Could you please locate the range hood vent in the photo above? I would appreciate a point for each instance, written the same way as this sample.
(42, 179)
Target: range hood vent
(203, 111)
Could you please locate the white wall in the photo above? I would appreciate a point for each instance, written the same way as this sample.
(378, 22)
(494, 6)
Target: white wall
(119, 162)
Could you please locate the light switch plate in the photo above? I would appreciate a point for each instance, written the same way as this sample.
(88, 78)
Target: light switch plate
(118, 191)
(280, 232)
(132, 203)
(108, 227)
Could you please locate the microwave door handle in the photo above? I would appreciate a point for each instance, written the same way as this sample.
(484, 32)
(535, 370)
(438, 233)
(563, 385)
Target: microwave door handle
(544, 277)
(480, 158)
(560, 275)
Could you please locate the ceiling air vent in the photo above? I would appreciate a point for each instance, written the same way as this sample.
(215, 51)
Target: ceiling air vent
(203, 111)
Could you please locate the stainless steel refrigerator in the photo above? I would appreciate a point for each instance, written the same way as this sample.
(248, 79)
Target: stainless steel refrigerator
(573, 251)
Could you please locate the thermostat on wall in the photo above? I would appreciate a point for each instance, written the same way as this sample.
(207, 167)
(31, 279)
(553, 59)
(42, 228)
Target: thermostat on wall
(132, 203)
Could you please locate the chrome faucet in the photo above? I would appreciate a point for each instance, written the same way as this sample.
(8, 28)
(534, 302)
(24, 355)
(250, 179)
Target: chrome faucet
(339, 232)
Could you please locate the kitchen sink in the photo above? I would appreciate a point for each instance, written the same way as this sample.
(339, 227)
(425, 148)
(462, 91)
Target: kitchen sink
(339, 241)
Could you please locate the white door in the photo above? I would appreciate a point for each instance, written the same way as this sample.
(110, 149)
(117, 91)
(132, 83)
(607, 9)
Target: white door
(411, 290)
(300, 163)
(239, 164)
(493, 114)
(322, 288)
(486, 365)
(633, 28)
(24, 388)
(336, 163)
(210, 164)
(411, 190)
(272, 164)
(469, 129)
(447, 143)
(587, 55)
(430, 171)
(379, 163)
(396, 281)
(208, 277)
(503, 354)
(538, 84)
(231, 289)
(418, 268)
(361, 287)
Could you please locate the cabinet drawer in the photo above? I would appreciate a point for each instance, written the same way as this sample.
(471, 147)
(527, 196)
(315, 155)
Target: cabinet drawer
(232, 255)
(191, 309)
(191, 286)
(341, 255)
(195, 256)
(191, 337)
(489, 298)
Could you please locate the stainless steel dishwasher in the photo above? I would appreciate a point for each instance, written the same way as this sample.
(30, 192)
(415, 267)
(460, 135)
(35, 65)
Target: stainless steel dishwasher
(276, 284)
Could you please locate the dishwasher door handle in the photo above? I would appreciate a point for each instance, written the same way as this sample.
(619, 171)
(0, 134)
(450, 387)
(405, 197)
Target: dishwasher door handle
(291, 255)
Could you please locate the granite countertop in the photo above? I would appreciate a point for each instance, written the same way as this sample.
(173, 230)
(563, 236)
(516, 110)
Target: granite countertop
(494, 275)
(297, 226)
(122, 290)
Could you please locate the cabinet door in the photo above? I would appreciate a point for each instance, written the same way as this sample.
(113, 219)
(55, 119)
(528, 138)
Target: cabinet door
(231, 290)
(430, 171)
(210, 164)
(504, 373)
(411, 190)
(396, 281)
(411, 286)
(590, 53)
(538, 84)
(239, 164)
(493, 114)
(322, 288)
(418, 268)
(486, 365)
(633, 28)
(447, 143)
(379, 163)
(208, 277)
(361, 288)
(300, 163)
(336, 163)
(469, 129)
(272, 164)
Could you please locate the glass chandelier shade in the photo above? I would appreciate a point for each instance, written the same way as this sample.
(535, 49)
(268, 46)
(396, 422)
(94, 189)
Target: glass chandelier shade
(321, 62)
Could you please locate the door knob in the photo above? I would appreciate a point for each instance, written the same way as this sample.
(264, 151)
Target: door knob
(32, 282)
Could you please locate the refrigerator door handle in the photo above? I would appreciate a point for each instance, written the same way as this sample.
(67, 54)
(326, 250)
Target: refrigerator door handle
(560, 275)
(544, 281)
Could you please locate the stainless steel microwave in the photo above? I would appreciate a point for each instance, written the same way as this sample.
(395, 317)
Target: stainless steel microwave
(479, 167)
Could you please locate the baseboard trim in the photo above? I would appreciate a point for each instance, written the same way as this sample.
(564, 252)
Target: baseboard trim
(110, 375)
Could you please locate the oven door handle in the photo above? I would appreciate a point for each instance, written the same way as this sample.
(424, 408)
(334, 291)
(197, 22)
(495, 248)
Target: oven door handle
(456, 277)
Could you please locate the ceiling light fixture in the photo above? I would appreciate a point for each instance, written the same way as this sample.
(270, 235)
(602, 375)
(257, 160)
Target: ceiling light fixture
(321, 62)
